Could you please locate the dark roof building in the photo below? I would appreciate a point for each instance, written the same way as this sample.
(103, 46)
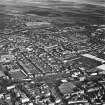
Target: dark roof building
(1, 71)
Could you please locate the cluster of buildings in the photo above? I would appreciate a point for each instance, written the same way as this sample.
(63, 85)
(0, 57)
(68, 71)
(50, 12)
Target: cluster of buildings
(41, 64)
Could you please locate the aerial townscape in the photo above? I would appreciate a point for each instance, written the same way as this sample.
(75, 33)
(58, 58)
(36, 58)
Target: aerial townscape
(52, 53)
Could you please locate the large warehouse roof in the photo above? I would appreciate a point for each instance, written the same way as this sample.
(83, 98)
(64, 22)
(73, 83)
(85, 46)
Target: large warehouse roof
(93, 57)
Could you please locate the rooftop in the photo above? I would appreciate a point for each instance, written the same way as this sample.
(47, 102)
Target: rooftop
(66, 87)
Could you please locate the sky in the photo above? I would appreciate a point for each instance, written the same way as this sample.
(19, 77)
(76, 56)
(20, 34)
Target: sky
(97, 2)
